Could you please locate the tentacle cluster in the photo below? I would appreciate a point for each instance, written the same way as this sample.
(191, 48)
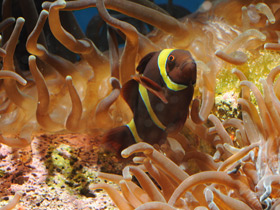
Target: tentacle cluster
(241, 174)
(243, 170)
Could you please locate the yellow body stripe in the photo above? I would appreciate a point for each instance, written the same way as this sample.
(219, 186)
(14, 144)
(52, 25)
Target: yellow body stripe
(131, 125)
(145, 97)
(162, 59)
(132, 128)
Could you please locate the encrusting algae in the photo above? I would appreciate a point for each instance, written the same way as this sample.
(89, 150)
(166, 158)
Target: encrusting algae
(72, 97)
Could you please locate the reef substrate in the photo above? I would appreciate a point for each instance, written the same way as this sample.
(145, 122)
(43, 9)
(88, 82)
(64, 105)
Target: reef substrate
(53, 173)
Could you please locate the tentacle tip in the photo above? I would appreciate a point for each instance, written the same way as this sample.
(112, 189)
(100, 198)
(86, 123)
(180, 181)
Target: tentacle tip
(271, 46)
(218, 52)
(20, 20)
(115, 83)
(68, 78)
(122, 182)
(265, 46)
(244, 8)
(125, 153)
(211, 116)
(113, 79)
(261, 80)
(32, 58)
(234, 70)
(12, 19)
(206, 6)
(242, 83)
(23, 82)
(272, 20)
(44, 12)
(60, 4)
(19, 193)
(45, 5)
(263, 38)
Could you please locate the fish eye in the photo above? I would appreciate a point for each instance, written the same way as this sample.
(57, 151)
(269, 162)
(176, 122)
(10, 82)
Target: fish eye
(170, 62)
(171, 58)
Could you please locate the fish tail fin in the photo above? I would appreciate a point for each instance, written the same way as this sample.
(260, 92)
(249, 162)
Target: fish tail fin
(118, 139)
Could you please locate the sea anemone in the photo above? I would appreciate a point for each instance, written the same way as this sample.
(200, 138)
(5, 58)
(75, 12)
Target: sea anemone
(240, 174)
(73, 87)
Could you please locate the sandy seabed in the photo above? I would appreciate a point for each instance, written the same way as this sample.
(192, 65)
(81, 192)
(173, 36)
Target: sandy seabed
(46, 183)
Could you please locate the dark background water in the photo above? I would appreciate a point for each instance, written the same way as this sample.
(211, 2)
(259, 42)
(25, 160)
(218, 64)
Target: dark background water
(84, 16)
(96, 30)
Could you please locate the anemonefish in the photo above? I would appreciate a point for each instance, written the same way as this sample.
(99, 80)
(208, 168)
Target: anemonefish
(159, 97)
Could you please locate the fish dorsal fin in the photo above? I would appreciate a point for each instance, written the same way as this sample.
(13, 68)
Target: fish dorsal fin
(130, 93)
(151, 86)
(144, 61)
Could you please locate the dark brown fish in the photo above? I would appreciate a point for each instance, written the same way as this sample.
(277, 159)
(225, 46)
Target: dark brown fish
(159, 97)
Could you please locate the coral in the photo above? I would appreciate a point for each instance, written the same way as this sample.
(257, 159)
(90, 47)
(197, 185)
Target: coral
(71, 87)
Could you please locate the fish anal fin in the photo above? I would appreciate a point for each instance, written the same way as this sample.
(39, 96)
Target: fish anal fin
(151, 86)
(117, 139)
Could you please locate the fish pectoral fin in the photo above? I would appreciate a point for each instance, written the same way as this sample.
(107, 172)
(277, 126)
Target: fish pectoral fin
(151, 86)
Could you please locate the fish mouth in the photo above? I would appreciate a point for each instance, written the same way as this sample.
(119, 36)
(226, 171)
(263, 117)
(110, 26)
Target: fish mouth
(186, 63)
(189, 67)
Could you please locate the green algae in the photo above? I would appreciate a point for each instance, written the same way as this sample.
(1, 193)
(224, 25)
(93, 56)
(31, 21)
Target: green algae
(258, 66)
(228, 89)
(2, 173)
(228, 85)
(66, 171)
